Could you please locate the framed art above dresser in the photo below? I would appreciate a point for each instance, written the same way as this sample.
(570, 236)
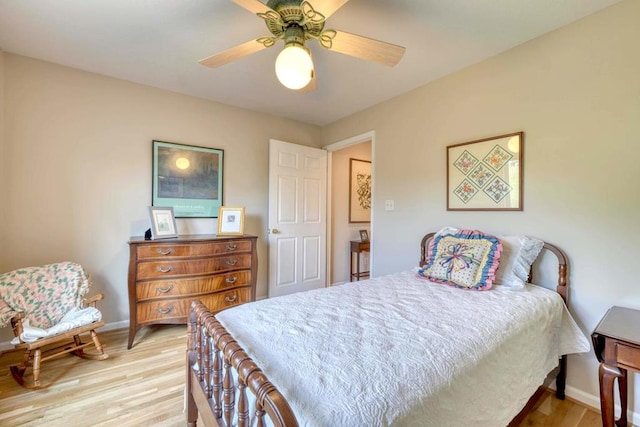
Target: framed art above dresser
(166, 275)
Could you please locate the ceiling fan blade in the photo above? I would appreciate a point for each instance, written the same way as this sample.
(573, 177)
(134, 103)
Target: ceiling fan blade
(312, 86)
(254, 6)
(366, 48)
(232, 54)
(329, 7)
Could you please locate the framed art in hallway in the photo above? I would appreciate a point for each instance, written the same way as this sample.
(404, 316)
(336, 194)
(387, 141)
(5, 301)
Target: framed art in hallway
(359, 190)
(187, 178)
(486, 174)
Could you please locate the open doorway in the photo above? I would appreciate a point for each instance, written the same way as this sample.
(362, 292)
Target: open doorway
(342, 231)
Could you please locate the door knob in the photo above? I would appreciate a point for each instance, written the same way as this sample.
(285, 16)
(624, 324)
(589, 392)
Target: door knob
(274, 231)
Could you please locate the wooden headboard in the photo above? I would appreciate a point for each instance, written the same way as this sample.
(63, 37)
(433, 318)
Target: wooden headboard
(562, 263)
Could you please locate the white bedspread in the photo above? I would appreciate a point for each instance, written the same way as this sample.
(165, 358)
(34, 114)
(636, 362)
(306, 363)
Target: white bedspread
(402, 351)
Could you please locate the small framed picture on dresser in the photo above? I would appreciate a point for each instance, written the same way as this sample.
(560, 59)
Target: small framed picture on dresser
(230, 221)
(364, 236)
(163, 223)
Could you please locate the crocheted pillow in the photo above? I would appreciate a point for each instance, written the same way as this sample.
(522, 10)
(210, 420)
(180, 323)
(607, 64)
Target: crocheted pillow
(466, 259)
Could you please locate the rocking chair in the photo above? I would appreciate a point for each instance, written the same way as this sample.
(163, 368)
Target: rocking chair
(47, 312)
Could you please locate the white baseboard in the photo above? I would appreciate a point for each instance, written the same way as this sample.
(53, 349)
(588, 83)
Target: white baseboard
(123, 324)
(594, 402)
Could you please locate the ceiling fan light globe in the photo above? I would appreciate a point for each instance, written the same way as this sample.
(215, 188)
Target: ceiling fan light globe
(294, 67)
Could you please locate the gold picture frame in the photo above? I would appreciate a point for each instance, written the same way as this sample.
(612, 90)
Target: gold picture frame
(486, 174)
(230, 221)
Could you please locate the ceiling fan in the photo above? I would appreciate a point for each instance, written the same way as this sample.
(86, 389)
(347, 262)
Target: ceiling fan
(296, 22)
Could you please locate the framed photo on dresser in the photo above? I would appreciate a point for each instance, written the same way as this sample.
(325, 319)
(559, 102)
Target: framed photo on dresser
(230, 221)
(163, 223)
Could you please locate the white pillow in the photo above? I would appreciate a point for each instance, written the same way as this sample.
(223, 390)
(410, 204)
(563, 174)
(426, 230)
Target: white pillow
(518, 253)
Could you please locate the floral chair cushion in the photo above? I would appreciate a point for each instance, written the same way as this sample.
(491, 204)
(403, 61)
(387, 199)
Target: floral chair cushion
(44, 293)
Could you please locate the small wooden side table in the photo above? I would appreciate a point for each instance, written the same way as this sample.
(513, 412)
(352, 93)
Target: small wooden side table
(357, 247)
(616, 341)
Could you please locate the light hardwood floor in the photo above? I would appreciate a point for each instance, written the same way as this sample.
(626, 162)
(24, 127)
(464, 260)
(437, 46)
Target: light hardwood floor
(144, 387)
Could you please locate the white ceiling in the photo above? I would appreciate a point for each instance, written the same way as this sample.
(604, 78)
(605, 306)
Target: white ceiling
(159, 43)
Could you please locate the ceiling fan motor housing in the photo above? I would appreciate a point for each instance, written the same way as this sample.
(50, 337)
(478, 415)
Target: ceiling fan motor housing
(295, 14)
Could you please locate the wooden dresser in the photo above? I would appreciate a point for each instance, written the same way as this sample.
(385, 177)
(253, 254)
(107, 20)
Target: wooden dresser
(166, 275)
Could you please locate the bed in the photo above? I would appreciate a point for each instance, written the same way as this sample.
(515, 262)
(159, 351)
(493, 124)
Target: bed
(393, 350)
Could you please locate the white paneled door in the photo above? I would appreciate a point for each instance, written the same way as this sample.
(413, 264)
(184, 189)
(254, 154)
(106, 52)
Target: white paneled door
(297, 218)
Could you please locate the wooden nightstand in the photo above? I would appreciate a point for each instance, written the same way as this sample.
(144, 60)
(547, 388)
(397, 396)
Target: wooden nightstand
(358, 247)
(616, 341)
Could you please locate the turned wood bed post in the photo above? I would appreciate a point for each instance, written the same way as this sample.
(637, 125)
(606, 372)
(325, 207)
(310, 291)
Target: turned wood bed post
(561, 378)
(205, 368)
(191, 408)
(217, 382)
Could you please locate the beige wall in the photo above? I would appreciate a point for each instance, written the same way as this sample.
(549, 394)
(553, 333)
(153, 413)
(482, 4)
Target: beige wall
(3, 166)
(77, 148)
(342, 232)
(576, 95)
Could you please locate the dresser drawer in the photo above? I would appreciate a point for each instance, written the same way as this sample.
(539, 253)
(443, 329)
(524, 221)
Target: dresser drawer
(177, 309)
(167, 250)
(192, 287)
(178, 267)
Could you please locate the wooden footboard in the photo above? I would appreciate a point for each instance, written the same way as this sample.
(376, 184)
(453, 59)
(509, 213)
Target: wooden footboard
(212, 357)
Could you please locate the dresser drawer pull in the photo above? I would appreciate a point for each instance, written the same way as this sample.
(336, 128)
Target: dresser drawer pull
(161, 269)
(163, 252)
(232, 299)
(232, 262)
(231, 280)
(164, 290)
(232, 246)
(167, 310)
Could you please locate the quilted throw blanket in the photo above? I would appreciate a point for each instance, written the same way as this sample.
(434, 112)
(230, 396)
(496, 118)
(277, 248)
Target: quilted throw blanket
(402, 351)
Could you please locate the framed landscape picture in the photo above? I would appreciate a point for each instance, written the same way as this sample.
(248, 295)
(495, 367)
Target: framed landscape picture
(187, 178)
(486, 174)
